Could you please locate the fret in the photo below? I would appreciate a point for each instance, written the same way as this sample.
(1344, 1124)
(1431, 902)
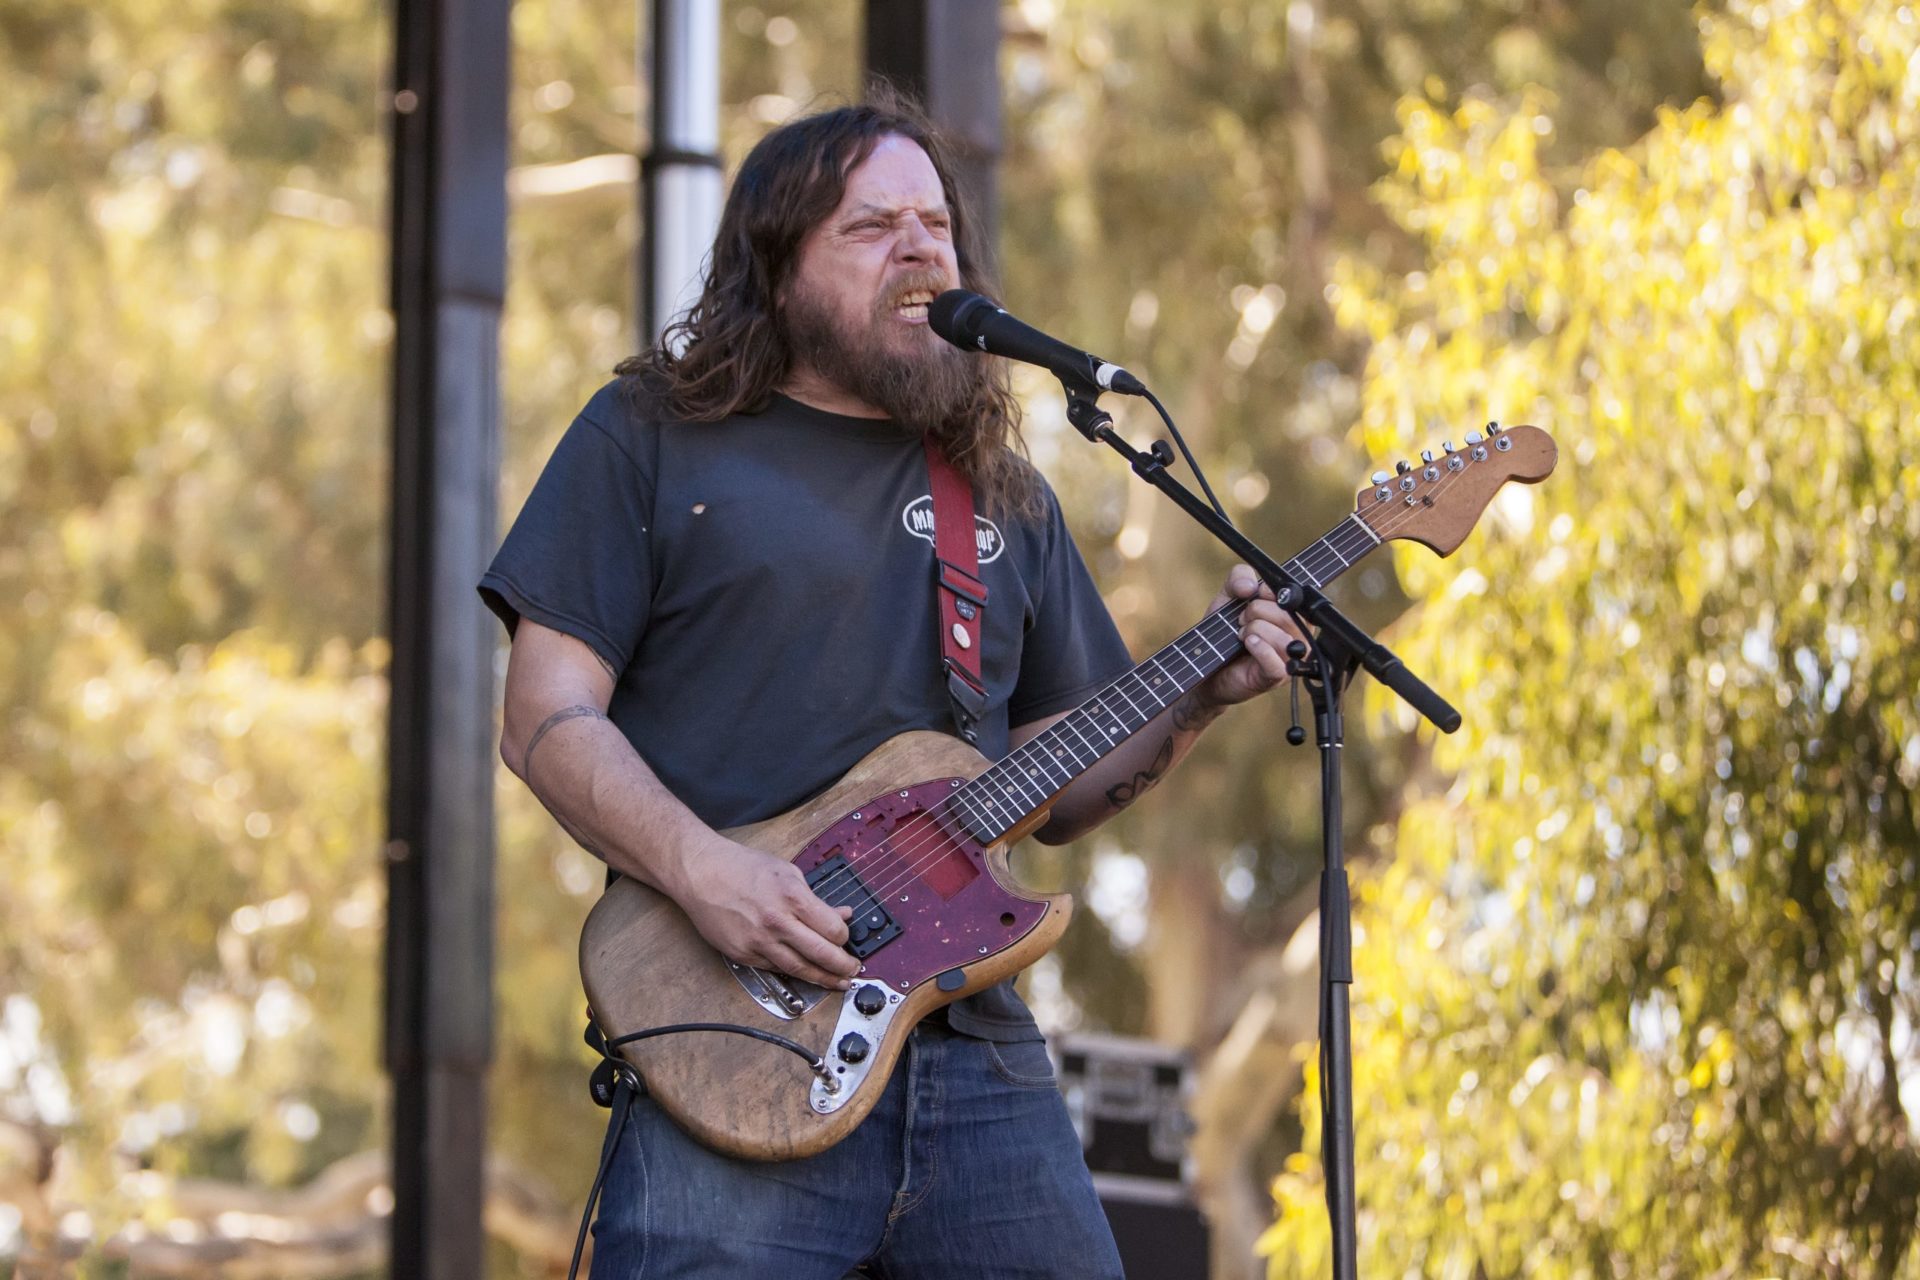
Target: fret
(1154, 687)
(1198, 670)
(1085, 741)
(1063, 746)
(1035, 765)
(1160, 681)
(974, 816)
(1119, 688)
(1026, 793)
(1012, 786)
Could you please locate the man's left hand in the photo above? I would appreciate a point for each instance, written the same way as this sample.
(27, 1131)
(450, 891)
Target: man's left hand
(1265, 629)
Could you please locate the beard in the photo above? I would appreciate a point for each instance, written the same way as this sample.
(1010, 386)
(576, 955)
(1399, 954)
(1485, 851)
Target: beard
(908, 373)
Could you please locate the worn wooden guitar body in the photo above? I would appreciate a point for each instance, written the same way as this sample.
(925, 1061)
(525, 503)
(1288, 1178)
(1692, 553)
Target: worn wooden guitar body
(962, 924)
(914, 838)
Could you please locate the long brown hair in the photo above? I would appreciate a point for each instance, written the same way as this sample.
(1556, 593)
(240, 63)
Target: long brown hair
(728, 354)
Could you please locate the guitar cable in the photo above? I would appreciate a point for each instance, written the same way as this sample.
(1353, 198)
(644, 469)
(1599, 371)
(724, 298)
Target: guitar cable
(616, 1084)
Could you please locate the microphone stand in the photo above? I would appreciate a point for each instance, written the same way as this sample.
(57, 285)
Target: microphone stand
(1339, 649)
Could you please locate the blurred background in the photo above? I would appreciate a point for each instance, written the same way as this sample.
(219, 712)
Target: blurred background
(1636, 952)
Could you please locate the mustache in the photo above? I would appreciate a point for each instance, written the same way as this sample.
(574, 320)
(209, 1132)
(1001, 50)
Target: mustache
(933, 282)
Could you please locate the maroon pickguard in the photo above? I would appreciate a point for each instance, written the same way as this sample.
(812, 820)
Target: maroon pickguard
(917, 859)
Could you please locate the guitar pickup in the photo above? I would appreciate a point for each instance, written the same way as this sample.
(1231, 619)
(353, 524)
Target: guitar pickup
(840, 886)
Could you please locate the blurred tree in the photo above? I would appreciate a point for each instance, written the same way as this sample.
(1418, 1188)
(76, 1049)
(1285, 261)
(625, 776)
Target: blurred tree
(1637, 996)
(1225, 154)
(191, 376)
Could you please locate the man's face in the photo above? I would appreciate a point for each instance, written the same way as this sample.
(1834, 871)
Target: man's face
(855, 312)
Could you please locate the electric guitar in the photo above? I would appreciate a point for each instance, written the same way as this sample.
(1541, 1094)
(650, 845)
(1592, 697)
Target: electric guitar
(915, 839)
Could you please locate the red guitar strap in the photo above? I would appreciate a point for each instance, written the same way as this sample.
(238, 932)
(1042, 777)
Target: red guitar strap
(962, 596)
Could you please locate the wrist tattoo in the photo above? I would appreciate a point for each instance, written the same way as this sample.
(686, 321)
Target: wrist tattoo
(1189, 713)
(552, 722)
(1125, 793)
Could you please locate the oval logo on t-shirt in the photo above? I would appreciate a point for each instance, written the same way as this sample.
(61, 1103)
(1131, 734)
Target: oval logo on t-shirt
(917, 516)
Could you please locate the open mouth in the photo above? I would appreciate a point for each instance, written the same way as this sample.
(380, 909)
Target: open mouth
(913, 304)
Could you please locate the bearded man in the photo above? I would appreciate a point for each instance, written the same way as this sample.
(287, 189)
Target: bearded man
(719, 601)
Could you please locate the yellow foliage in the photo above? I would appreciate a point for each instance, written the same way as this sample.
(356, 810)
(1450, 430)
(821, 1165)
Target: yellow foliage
(1599, 997)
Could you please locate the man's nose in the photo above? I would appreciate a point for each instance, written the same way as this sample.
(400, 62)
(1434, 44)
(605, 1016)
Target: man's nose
(916, 242)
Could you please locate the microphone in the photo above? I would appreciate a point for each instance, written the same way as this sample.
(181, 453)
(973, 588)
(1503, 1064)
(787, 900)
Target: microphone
(972, 323)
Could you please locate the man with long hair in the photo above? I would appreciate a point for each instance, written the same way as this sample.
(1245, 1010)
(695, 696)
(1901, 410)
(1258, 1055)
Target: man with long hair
(720, 596)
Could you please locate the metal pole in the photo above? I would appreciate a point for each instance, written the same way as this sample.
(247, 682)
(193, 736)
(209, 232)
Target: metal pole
(449, 220)
(681, 172)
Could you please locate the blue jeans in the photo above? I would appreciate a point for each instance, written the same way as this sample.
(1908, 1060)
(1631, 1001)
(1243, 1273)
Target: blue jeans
(966, 1167)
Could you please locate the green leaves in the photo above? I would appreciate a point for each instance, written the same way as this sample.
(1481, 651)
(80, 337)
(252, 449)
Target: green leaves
(1677, 861)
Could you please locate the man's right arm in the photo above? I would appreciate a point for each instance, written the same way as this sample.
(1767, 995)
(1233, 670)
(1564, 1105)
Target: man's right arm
(751, 906)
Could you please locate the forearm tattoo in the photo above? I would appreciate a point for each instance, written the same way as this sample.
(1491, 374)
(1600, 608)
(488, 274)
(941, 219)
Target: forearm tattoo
(1125, 793)
(548, 725)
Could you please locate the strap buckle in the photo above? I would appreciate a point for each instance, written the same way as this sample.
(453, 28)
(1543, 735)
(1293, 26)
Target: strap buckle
(962, 583)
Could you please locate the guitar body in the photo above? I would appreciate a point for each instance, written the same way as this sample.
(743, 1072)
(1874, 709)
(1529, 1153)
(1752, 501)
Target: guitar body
(944, 919)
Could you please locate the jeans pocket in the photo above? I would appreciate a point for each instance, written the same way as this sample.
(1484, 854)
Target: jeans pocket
(1024, 1063)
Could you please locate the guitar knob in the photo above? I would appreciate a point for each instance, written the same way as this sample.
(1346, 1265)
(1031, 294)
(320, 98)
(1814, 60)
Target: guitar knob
(869, 999)
(1403, 466)
(1381, 477)
(852, 1048)
(1426, 456)
(1493, 428)
(1474, 437)
(1447, 445)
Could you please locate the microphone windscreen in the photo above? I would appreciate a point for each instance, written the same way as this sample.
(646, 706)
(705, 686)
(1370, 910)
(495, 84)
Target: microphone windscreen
(954, 314)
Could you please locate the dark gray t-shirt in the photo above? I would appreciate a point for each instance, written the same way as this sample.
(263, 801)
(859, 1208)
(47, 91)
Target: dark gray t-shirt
(764, 588)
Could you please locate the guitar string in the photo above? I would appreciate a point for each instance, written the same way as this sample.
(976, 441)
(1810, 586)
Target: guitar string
(887, 859)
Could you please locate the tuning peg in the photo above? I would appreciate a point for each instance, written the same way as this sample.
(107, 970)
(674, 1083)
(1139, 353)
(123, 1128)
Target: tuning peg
(1381, 477)
(1447, 445)
(1474, 437)
(1426, 456)
(1403, 466)
(1493, 428)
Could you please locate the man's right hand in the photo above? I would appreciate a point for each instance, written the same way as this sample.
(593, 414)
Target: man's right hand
(757, 909)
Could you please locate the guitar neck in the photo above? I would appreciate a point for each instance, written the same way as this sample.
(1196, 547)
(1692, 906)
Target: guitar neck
(1031, 775)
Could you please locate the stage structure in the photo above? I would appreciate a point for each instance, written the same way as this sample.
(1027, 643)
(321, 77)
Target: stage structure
(946, 54)
(680, 176)
(449, 239)
(448, 280)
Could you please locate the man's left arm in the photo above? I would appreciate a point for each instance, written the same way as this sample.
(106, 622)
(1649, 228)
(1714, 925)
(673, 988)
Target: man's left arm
(1140, 762)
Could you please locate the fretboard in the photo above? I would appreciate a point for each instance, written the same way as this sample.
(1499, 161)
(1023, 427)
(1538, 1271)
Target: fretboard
(1029, 776)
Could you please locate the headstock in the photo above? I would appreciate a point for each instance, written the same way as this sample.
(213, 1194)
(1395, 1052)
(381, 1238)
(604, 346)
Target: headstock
(1438, 502)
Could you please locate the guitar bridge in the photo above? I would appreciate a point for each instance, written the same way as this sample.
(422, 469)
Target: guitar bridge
(779, 994)
(840, 886)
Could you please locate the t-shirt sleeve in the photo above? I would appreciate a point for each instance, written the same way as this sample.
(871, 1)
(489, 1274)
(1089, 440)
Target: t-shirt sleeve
(1071, 647)
(577, 558)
